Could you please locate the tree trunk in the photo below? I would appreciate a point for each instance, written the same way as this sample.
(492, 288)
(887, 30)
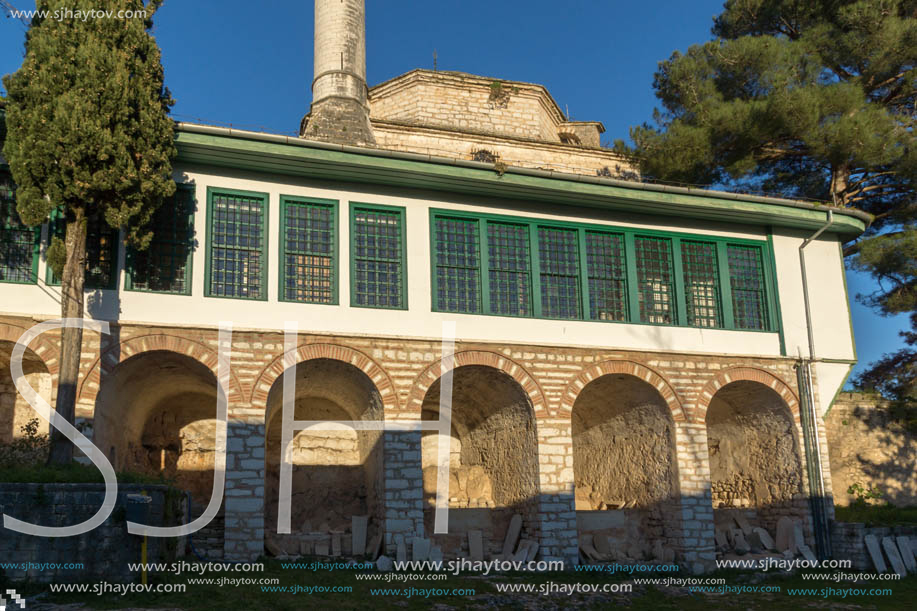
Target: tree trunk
(840, 178)
(72, 280)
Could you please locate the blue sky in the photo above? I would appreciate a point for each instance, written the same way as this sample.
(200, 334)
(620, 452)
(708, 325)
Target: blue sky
(249, 64)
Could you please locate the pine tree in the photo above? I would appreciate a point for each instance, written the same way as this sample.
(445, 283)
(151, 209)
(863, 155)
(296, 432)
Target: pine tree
(804, 99)
(88, 134)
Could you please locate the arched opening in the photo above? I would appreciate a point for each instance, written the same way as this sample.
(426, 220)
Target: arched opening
(15, 411)
(336, 474)
(155, 413)
(624, 468)
(493, 460)
(755, 467)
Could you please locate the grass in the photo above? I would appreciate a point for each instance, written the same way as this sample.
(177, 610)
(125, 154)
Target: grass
(74, 473)
(876, 515)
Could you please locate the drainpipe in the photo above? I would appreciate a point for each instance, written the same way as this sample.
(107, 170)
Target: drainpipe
(809, 415)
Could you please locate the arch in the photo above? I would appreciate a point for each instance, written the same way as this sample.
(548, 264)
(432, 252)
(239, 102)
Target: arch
(46, 350)
(642, 372)
(431, 374)
(738, 374)
(117, 354)
(308, 352)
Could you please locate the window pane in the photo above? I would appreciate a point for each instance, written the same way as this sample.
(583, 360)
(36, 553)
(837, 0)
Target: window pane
(458, 268)
(162, 267)
(510, 285)
(17, 242)
(308, 238)
(558, 256)
(378, 267)
(101, 251)
(655, 283)
(749, 297)
(237, 223)
(605, 265)
(702, 283)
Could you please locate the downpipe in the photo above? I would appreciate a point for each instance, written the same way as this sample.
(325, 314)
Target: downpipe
(818, 498)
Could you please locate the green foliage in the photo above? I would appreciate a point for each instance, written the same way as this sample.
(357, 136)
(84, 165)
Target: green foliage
(30, 448)
(876, 515)
(864, 495)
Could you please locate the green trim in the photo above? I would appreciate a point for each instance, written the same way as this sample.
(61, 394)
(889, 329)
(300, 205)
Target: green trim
(773, 271)
(189, 263)
(36, 234)
(678, 307)
(333, 204)
(375, 167)
(403, 262)
(265, 198)
(853, 342)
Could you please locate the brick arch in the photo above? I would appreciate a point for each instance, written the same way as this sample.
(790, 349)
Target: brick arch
(425, 380)
(46, 350)
(112, 356)
(631, 368)
(750, 374)
(309, 352)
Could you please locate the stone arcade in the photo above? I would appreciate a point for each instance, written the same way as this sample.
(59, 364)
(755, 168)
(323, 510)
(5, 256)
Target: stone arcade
(625, 372)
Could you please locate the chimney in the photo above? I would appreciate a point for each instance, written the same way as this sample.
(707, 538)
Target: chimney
(339, 112)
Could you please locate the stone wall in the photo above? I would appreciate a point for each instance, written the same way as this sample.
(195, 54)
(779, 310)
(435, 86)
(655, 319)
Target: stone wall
(868, 448)
(103, 552)
(847, 541)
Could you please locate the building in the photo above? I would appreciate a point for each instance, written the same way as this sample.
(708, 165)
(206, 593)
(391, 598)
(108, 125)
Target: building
(626, 358)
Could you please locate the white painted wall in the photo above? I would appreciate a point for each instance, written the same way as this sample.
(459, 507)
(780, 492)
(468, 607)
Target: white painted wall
(831, 322)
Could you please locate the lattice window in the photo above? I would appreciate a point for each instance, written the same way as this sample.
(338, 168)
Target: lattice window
(309, 230)
(607, 271)
(165, 265)
(17, 241)
(702, 283)
(655, 280)
(509, 269)
(378, 258)
(749, 291)
(237, 257)
(458, 265)
(558, 256)
(101, 251)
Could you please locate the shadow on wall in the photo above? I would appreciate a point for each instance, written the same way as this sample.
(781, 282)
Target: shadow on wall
(15, 412)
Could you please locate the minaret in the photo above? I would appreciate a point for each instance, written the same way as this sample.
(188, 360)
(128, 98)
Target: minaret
(339, 112)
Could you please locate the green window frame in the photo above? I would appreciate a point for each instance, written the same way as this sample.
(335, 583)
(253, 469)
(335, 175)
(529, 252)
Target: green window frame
(165, 266)
(237, 244)
(378, 257)
(579, 271)
(101, 252)
(308, 250)
(19, 244)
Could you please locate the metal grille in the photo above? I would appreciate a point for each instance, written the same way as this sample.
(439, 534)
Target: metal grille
(163, 266)
(509, 269)
(236, 245)
(458, 265)
(17, 242)
(101, 251)
(308, 251)
(378, 264)
(605, 266)
(749, 293)
(702, 282)
(655, 280)
(558, 256)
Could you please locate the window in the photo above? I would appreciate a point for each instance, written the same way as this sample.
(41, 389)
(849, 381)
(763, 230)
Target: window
(165, 265)
(510, 269)
(18, 243)
(655, 280)
(101, 251)
(237, 244)
(605, 263)
(702, 283)
(309, 250)
(457, 254)
(746, 278)
(378, 278)
(558, 264)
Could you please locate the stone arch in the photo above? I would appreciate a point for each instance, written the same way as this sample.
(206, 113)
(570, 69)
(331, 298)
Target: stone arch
(40, 368)
(308, 352)
(479, 357)
(750, 374)
(46, 350)
(632, 368)
(114, 355)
